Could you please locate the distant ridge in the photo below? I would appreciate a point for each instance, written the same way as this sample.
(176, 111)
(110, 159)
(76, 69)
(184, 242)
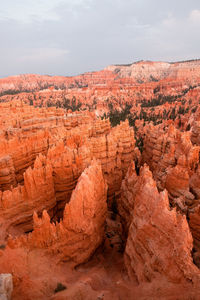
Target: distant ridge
(184, 61)
(169, 62)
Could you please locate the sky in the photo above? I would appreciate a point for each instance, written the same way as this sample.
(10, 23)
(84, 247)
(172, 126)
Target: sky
(69, 37)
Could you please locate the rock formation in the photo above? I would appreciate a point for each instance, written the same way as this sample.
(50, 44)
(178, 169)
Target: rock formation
(42, 163)
(126, 201)
(174, 162)
(6, 286)
(153, 91)
(159, 240)
(83, 221)
(144, 71)
(18, 204)
(79, 207)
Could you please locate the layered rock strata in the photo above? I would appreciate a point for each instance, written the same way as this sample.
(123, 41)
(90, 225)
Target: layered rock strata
(83, 222)
(174, 161)
(147, 71)
(125, 204)
(68, 147)
(29, 132)
(18, 204)
(159, 240)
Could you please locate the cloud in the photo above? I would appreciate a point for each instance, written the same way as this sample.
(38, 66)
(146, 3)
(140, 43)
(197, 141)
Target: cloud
(43, 54)
(194, 17)
(73, 36)
(29, 11)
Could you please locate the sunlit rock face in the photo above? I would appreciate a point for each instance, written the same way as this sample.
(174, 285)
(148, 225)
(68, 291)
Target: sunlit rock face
(44, 152)
(85, 199)
(81, 231)
(159, 241)
(174, 161)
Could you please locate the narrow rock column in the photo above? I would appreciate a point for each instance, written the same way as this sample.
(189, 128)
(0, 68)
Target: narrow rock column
(6, 286)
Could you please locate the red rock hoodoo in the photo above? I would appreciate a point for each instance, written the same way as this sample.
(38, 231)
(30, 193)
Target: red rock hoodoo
(99, 183)
(159, 240)
(83, 221)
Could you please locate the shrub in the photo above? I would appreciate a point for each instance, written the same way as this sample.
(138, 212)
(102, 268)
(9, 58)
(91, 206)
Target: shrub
(188, 127)
(60, 287)
(193, 110)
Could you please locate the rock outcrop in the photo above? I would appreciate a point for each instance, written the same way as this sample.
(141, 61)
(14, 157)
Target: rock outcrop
(37, 193)
(194, 223)
(72, 179)
(174, 162)
(155, 91)
(125, 203)
(81, 231)
(42, 159)
(6, 286)
(159, 240)
(147, 71)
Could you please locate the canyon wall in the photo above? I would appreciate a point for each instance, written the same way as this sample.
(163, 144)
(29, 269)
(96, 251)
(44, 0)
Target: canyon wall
(102, 169)
(82, 226)
(159, 241)
(43, 159)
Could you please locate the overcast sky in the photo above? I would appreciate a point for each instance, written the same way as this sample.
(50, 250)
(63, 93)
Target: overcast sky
(69, 37)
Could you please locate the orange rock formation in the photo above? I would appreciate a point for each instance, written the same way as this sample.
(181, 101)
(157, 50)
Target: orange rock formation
(83, 222)
(119, 204)
(159, 240)
(69, 143)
